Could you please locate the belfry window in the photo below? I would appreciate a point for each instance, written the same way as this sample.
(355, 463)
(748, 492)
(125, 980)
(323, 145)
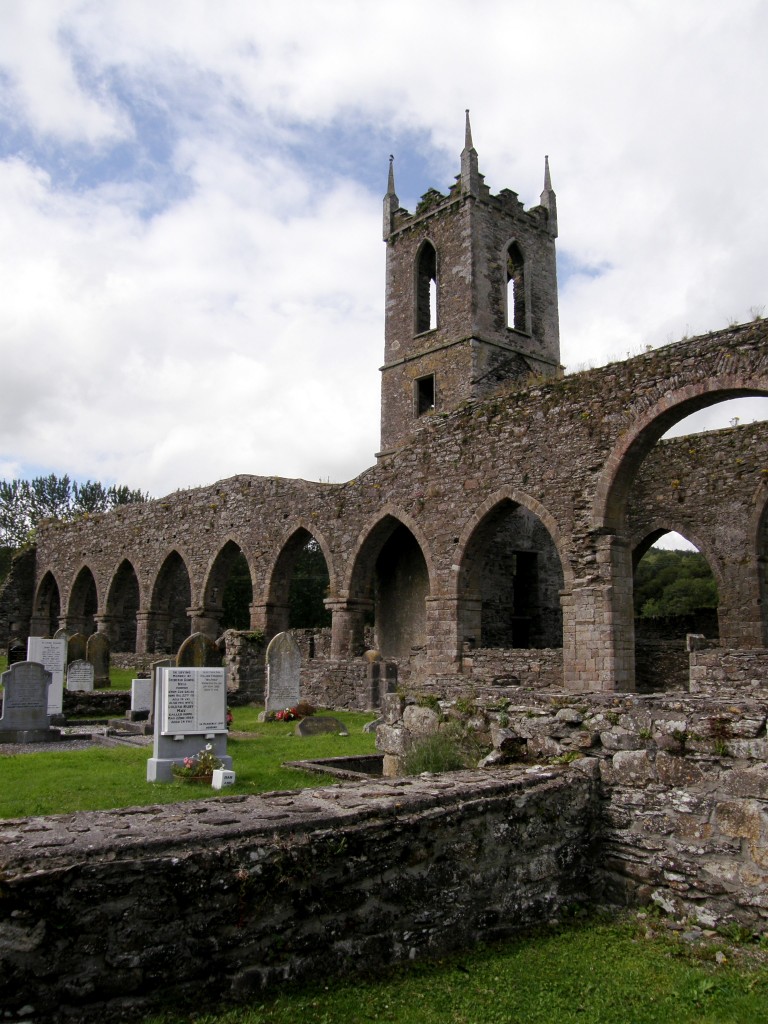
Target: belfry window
(424, 394)
(426, 289)
(516, 306)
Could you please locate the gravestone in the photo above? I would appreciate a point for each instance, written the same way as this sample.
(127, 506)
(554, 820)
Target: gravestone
(76, 646)
(190, 713)
(318, 726)
(52, 655)
(80, 676)
(157, 667)
(97, 652)
(198, 651)
(17, 651)
(62, 633)
(25, 705)
(141, 700)
(283, 673)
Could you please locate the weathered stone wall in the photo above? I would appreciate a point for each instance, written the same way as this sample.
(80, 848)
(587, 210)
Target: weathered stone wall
(16, 597)
(534, 669)
(115, 912)
(684, 781)
(716, 671)
(571, 451)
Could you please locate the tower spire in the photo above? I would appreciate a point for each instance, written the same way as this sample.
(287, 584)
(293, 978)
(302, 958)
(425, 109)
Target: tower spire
(548, 200)
(470, 174)
(391, 202)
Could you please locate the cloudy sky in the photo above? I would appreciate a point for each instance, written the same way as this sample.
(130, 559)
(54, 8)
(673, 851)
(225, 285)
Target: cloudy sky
(190, 205)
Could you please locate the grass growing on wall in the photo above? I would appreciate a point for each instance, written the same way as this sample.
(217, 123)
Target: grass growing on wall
(602, 972)
(100, 778)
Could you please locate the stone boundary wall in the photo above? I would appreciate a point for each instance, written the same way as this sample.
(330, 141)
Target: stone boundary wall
(529, 667)
(684, 781)
(108, 915)
(715, 669)
(661, 665)
(351, 685)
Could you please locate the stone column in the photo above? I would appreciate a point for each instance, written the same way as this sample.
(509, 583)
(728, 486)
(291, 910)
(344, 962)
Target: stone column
(270, 619)
(445, 616)
(347, 625)
(206, 620)
(599, 624)
(143, 631)
(109, 625)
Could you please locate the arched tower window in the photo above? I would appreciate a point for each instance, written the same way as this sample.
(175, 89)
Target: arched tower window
(516, 311)
(426, 289)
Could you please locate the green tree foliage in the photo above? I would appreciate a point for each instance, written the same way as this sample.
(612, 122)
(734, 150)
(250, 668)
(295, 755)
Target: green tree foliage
(673, 583)
(309, 586)
(25, 503)
(237, 597)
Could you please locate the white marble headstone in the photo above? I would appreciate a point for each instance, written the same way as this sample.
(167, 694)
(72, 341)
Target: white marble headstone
(80, 676)
(52, 655)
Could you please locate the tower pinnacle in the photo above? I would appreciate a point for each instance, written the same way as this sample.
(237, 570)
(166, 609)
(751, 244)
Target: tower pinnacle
(548, 199)
(470, 177)
(391, 202)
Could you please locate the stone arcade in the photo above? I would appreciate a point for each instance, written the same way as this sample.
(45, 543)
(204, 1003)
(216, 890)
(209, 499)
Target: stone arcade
(507, 503)
(492, 548)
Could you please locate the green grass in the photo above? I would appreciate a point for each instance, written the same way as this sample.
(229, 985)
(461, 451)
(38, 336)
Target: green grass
(100, 778)
(600, 972)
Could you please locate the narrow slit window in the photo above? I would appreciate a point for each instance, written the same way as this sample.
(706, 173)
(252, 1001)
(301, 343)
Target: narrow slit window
(516, 311)
(426, 289)
(425, 394)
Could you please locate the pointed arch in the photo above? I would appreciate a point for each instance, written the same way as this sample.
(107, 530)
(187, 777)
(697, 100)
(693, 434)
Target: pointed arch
(511, 574)
(47, 606)
(517, 303)
(426, 288)
(83, 603)
(123, 602)
(228, 587)
(391, 572)
(170, 623)
(300, 579)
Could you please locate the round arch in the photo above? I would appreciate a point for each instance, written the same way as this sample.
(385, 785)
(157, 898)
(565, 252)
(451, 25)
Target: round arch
(622, 464)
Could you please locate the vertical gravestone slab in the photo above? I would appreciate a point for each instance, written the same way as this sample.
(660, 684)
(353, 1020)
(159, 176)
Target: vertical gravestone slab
(17, 651)
(52, 655)
(76, 646)
(198, 651)
(190, 714)
(157, 668)
(97, 652)
(283, 673)
(141, 696)
(62, 633)
(80, 676)
(25, 704)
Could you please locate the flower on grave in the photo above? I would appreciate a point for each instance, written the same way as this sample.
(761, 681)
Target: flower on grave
(198, 766)
(229, 718)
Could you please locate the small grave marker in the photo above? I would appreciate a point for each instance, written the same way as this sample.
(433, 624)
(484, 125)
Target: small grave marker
(283, 673)
(319, 726)
(97, 652)
(80, 676)
(76, 646)
(141, 697)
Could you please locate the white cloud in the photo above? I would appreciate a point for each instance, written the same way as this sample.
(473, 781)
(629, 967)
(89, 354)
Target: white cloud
(239, 327)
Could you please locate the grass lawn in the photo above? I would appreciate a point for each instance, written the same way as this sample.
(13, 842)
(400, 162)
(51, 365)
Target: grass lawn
(100, 778)
(603, 972)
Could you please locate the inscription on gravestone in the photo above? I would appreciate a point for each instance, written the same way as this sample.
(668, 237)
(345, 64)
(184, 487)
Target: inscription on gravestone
(283, 672)
(51, 654)
(25, 704)
(80, 676)
(194, 701)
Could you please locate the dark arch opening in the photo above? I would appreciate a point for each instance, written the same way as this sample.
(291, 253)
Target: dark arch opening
(171, 597)
(510, 582)
(48, 605)
(426, 288)
(229, 592)
(122, 606)
(83, 604)
(300, 583)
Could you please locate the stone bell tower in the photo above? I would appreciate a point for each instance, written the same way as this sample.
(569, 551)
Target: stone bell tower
(471, 296)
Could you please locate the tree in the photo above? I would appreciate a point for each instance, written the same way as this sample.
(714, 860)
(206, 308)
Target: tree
(25, 503)
(673, 583)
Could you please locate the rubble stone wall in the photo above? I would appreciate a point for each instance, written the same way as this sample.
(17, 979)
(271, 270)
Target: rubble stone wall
(112, 912)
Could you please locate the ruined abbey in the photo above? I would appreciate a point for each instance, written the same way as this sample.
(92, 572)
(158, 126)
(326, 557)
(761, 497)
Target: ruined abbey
(496, 534)
(488, 555)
